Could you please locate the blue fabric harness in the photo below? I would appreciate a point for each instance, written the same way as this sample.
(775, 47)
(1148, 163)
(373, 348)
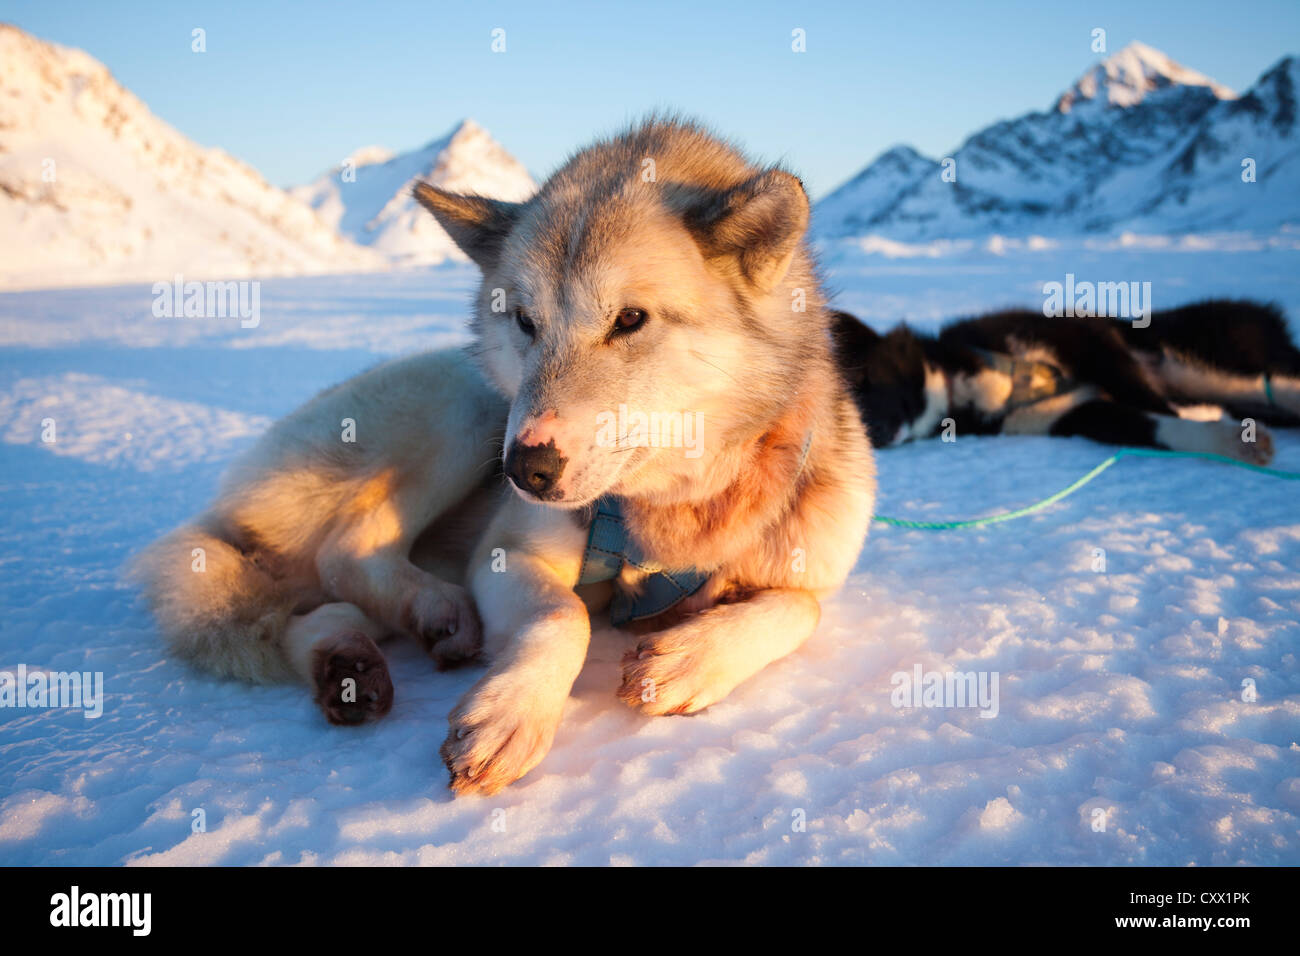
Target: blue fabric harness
(609, 547)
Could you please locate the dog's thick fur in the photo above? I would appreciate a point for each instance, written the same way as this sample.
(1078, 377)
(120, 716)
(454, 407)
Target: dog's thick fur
(304, 561)
(1104, 379)
(657, 270)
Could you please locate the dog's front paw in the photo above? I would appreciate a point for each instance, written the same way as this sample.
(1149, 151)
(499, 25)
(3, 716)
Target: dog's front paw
(1259, 451)
(351, 679)
(501, 730)
(1253, 444)
(673, 673)
(445, 622)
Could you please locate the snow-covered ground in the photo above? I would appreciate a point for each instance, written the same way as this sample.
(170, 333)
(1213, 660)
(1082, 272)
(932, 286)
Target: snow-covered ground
(1120, 690)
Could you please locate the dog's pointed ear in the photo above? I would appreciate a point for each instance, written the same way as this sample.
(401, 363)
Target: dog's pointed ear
(854, 343)
(851, 333)
(758, 225)
(476, 224)
(902, 332)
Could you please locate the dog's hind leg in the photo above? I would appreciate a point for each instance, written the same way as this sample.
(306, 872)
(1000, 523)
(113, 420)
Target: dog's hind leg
(221, 608)
(384, 582)
(365, 560)
(1269, 391)
(1273, 413)
(1283, 393)
(1236, 354)
(334, 648)
(1273, 398)
(1116, 424)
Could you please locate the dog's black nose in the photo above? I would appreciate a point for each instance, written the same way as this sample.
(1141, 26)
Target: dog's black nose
(535, 468)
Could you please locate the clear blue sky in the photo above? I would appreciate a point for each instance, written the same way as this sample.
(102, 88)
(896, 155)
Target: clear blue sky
(294, 87)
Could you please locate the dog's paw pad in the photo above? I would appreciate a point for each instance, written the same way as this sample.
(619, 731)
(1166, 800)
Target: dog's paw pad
(352, 681)
(1260, 451)
(447, 626)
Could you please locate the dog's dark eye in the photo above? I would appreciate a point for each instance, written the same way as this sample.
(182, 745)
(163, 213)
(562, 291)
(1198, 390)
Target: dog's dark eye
(629, 320)
(525, 323)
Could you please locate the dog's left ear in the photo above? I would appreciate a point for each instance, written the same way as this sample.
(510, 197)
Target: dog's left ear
(757, 224)
(476, 224)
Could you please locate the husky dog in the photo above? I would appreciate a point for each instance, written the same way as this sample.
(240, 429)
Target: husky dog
(658, 276)
(1019, 372)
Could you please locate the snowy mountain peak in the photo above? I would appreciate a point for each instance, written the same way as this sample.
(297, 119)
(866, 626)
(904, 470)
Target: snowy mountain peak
(858, 204)
(1138, 143)
(468, 159)
(466, 129)
(1127, 76)
(903, 156)
(1274, 97)
(95, 188)
(370, 202)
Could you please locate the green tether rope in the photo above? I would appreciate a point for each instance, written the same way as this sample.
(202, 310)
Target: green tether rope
(1075, 486)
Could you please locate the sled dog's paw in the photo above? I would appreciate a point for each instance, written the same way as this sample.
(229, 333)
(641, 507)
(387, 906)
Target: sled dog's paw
(501, 729)
(668, 673)
(351, 679)
(446, 624)
(1259, 451)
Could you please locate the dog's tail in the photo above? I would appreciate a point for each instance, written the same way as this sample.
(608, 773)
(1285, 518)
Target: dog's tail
(216, 604)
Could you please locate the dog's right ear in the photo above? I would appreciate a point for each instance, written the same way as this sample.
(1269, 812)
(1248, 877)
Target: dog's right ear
(855, 344)
(757, 225)
(476, 224)
(851, 334)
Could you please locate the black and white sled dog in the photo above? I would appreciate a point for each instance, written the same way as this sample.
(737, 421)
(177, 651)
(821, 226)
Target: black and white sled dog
(1019, 372)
